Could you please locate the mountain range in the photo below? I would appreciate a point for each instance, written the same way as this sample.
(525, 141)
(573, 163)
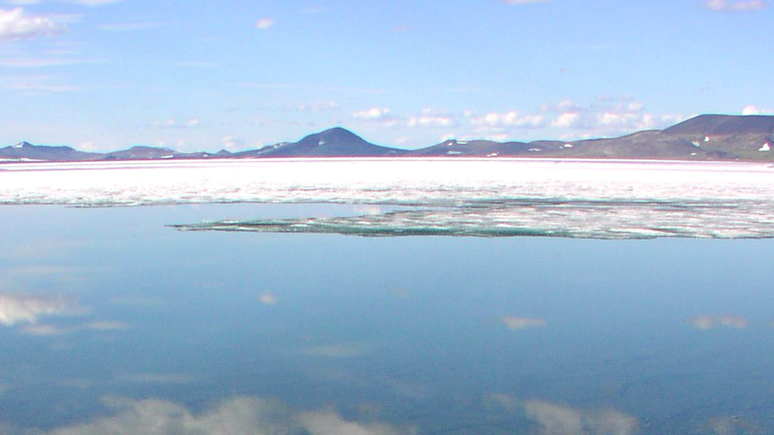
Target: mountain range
(705, 137)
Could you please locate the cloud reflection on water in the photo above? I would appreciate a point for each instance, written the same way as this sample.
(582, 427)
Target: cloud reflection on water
(556, 419)
(235, 416)
(53, 330)
(267, 299)
(24, 308)
(718, 321)
(732, 425)
(515, 323)
(346, 350)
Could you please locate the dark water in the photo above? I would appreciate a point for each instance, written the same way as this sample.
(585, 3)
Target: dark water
(111, 322)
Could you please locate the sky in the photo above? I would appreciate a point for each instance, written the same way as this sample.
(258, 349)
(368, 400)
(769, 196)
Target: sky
(239, 74)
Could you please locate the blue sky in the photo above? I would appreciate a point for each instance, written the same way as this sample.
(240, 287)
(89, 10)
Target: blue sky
(206, 75)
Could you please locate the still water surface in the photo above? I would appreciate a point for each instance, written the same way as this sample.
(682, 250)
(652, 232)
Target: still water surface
(112, 322)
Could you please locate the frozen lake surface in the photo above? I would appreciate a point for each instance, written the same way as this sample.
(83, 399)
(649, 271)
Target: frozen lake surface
(470, 197)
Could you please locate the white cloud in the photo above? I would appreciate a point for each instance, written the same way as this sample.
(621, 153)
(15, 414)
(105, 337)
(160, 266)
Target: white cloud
(264, 23)
(173, 123)
(372, 114)
(556, 419)
(734, 5)
(514, 323)
(724, 321)
(565, 105)
(232, 142)
(753, 110)
(14, 24)
(608, 116)
(235, 416)
(432, 121)
(19, 308)
(566, 120)
(318, 106)
(508, 119)
(430, 118)
(88, 146)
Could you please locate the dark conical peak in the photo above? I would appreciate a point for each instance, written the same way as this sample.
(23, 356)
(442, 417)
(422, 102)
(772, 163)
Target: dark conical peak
(338, 133)
(23, 144)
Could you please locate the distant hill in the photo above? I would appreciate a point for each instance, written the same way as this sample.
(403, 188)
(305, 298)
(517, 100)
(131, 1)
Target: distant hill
(142, 153)
(705, 137)
(25, 151)
(335, 142)
(727, 137)
(473, 148)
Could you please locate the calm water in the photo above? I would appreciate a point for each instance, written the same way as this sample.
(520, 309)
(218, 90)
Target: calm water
(111, 322)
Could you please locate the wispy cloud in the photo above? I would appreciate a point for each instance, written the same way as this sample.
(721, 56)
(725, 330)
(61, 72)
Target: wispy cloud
(176, 124)
(37, 87)
(320, 106)
(16, 24)
(264, 23)
(734, 5)
(372, 114)
(128, 27)
(44, 62)
(91, 3)
(23, 2)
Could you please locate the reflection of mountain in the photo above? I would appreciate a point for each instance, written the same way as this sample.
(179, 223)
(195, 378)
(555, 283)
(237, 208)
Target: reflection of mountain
(705, 137)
